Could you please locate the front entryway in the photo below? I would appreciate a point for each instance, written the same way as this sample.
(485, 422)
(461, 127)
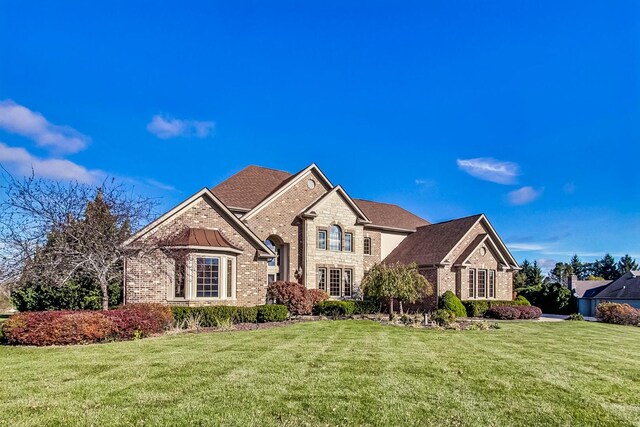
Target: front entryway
(277, 267)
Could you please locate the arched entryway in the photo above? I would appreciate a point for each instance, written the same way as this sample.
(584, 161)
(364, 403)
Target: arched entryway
(277, 267)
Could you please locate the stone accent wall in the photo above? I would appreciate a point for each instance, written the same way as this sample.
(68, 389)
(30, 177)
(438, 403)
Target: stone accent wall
(279, 217)
(376, 246)
(333, 210)
(151, 278)
(456, 279)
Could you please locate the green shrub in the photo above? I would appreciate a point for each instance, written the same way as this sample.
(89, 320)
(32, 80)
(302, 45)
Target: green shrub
(74, 295)
(366, 307)
(476, 308)
(521, 300)
(334, 308)
(449, 301)
(575, 316)
(246, 315)
(443, 316)
(272, 313)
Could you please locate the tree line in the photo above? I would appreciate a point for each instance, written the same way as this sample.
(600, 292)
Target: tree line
(605, 268)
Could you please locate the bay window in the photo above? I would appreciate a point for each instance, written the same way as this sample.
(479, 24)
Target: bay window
(205, 276)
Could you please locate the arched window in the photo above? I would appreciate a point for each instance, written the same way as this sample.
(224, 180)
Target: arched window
(335, 238)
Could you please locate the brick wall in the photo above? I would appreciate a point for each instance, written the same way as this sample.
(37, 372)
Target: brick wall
(279, 217)
(151, 279)
(456, 279)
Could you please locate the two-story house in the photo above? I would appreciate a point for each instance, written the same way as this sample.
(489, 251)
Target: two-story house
(226, 244)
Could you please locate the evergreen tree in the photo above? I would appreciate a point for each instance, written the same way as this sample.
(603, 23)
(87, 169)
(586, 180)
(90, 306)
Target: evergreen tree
(606, 267)
(577, 267)
(535, 278)
(626, 264)
(561, 273)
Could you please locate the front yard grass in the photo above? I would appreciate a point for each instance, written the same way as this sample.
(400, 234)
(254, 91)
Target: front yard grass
(334, 373)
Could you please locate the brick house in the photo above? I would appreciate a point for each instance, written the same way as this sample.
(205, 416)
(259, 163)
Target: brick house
(224, 245)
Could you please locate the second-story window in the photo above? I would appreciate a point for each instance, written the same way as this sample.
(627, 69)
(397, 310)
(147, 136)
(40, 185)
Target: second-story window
(322, 239)
(367, 245)
(348, 242)
(335, 238)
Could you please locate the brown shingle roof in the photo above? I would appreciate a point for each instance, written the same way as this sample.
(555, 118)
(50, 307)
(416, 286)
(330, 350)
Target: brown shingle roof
(430, 244)
(202, 237)
(253, 184)
(388, 215)
(626, 287)
(249, 187)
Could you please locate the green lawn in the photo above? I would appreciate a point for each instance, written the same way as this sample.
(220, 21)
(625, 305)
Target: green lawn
(334, 373)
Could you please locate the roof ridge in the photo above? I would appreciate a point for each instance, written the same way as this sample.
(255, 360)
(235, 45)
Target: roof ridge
(455, 219)
(267, 168)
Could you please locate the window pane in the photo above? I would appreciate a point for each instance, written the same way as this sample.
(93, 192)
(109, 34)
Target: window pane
(482, 283)
(322, 279)
(347, 282)
(472, 283)
(492, 284)
(229, 279)
(322, 239)
(335, 238)
(272, 246)
(334, 282)
(367, 245)
(179, 279)
(207, 280)
(348, 237)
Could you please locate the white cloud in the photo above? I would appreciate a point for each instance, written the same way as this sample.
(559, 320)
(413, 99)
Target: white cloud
(20, 120)
(524, 195)
(490, 169)
(165, 127)
(516, 247)
(159, 184)
(23, 162)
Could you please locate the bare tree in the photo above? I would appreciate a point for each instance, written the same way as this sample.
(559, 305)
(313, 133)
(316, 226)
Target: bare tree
(53, 230)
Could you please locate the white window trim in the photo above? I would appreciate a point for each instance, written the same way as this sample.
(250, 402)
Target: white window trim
(486, 284)
(190, 278)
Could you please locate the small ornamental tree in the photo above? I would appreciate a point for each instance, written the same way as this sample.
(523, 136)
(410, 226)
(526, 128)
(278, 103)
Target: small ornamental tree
(395, 281)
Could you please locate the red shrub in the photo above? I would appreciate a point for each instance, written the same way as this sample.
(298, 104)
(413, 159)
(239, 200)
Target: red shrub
(506, 312)
(297, 298)
(316, 295)
(140, 320)
(503, 312)
(58, 328)
(620, 314)
(83, 327)
(528, 312)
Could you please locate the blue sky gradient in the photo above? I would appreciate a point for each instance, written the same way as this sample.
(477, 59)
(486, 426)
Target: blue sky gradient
(395, 102)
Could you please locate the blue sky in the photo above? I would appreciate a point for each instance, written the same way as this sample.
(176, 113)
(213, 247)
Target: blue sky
(527, 111)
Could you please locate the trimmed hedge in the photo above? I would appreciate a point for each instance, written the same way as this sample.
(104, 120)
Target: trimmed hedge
(334, 308)
(212, 315)
(477, 308)
(619, 314)
(513, 312)
(43, 328)
(449, 301)
(272, 313)
(366, 307)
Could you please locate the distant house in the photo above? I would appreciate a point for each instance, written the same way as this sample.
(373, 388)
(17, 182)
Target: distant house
(590, 293)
